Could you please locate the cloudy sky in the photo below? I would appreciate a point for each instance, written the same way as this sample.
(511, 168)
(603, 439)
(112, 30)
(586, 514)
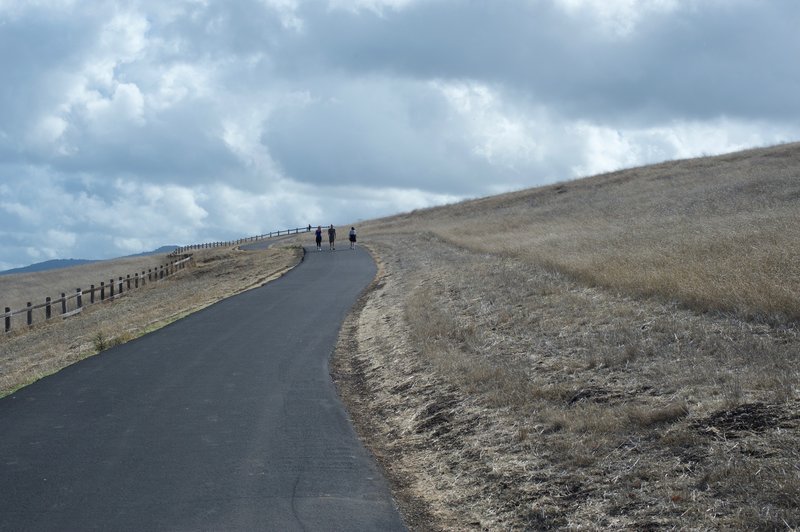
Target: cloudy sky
(127, 125)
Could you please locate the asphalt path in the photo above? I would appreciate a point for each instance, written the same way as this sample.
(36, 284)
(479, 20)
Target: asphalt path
(225, 420)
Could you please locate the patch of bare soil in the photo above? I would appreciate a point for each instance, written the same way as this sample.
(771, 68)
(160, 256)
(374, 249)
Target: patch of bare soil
(29, 354)
(748, 419)
(498, 395)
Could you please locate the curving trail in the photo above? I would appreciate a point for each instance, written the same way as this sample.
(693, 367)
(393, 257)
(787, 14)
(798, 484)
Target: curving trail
(225, 420)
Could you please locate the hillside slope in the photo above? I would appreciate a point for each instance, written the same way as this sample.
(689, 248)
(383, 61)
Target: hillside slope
(718, 233)
(615, 352)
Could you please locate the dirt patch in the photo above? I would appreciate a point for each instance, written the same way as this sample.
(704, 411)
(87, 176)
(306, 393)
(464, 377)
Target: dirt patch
(748, 418)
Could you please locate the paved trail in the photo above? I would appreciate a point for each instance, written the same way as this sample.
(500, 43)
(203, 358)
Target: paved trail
(225, 420)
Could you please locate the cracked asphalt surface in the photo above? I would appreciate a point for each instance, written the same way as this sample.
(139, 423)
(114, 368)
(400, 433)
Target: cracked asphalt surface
(225, 420)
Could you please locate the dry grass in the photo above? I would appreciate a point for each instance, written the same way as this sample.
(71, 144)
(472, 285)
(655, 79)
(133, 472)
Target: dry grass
(719, 233)
(622, 354)
(29, 354)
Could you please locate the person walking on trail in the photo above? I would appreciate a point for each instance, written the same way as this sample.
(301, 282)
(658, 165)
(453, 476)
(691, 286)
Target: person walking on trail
(318, 237)
(352, 238)
(331, 238)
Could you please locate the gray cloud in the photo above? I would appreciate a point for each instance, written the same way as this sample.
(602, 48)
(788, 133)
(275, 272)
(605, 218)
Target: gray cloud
(124, 126)
(703, 59)
(377, 131)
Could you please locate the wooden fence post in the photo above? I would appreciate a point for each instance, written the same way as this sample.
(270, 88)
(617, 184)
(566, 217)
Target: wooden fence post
(111, 289)
(129, 281)
(8, 319)
(30, 314)
(48, 311)
(102, 291)
(63, 303)
(91, 295)
(136, 280)
(120, 285)
(79, 297)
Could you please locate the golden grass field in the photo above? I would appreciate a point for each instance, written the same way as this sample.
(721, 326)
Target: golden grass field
(617, 352)
(719, 233)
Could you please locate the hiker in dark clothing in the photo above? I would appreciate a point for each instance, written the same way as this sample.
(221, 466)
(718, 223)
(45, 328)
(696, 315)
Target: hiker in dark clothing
(318, 237)
(331, 238)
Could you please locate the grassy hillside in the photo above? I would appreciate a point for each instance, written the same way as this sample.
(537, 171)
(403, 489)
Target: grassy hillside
(616, 352)
(719, 233)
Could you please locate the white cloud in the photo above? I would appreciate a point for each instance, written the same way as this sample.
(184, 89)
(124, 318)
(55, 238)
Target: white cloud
(16, 8)
(620, 17)
(287, 11)
(132, 125)
(179, 82)
(130, 246)
(121, 40)
(61, 239)
(503, 135)
(26, 213)
(378, 7)
(381, 201)
(37, 254)
(124, 107)
(148, 212)
(47, 133)
(603, 149)
(124, 36)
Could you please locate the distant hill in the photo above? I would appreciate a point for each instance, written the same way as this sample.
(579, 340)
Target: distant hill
(159, 251)
(56, 264)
